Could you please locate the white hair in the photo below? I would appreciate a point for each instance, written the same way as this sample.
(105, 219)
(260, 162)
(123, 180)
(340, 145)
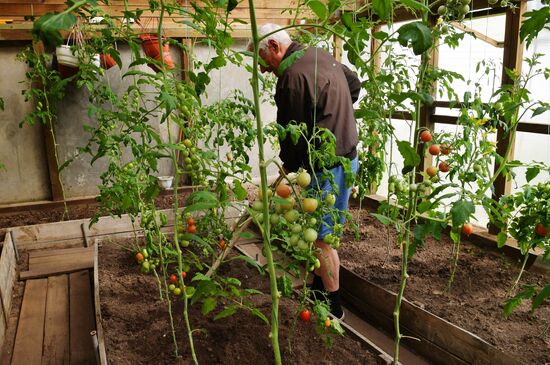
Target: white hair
(281, 36)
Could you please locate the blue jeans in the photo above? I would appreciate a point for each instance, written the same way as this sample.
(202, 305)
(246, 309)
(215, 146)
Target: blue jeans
(342, 197)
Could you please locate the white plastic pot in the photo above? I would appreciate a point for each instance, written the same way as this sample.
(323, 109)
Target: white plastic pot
(165, 182)
(66, 57)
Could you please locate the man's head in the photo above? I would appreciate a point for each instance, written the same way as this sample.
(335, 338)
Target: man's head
(273, 47)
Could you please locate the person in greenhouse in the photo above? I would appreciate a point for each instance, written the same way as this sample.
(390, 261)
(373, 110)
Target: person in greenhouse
(314, 88)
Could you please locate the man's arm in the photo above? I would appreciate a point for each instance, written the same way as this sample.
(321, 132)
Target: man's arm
(353, 83)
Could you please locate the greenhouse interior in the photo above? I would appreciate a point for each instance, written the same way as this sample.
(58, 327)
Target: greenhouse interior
(274, 182)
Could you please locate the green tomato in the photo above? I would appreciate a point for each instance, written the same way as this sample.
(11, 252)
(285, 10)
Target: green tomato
(292, 216)
(184, 243)
(310, 235)
(296, 228)
(442, 10)
(302, 245)
(317, 263)
(171, 287)
(257, 206)
(145, 253)
(294, 238)
(329, 239)
(274, 218)
(330, 199)
(303, 179)
(313, 221)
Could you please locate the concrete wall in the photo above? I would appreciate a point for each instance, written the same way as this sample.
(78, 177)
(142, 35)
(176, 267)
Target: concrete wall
(22, 150)
(25, 177)
(232, 77)
(79, 178)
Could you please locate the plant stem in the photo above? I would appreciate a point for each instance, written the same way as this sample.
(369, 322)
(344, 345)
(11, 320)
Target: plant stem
(525, 258)
(274, 334)
(454, 264)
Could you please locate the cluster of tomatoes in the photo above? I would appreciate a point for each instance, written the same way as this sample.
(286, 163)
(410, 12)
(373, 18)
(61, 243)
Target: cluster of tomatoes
(192, 163)
(305, 315)
(174, 287)
(454, 9)
(434, 150)
(295, 216)
(147, 264)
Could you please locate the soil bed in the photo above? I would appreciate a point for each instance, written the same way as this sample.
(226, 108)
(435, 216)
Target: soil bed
(476, 299)
(137, 329)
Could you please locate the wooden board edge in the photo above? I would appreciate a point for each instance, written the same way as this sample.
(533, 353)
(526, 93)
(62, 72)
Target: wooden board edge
(420, 328)
(97, 309)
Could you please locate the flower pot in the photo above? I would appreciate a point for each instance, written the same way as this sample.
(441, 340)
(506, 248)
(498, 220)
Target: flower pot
(151, 47)
(107, 61)
(66, 57)
(165, 182)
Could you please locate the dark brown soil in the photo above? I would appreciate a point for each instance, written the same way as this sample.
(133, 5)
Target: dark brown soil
(137, 328)
(476, 299)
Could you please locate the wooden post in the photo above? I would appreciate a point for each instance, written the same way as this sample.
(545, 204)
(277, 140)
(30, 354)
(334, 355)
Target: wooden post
(49, 144)
(511, 59)
(426, 111)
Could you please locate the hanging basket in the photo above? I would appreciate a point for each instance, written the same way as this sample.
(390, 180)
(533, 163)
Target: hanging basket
(106, 61)
(151, 46)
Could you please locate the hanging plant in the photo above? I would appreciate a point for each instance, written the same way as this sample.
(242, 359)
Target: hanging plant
(151, 46)
(70, 55)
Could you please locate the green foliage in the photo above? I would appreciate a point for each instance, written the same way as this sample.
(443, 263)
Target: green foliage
(416, 35)
(461, 212)
(534, 22)
(382, 8)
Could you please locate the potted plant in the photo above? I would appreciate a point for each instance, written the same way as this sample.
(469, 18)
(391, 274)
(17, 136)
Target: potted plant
(151, 46)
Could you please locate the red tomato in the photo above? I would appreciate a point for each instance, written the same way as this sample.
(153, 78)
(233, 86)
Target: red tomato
(467, 229)
(190, 221)
(283, 190)
(305, 315)
(541, 230)
(173, 278)
(328, 323)
(434, 150)
(139, 257)
(445, 149)
(425, 135)
(221, 244)
(183, 274)
(443, 166)
(192, 229)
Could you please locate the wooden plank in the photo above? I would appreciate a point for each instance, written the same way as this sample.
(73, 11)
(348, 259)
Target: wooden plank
(97, 305)
(44, 253)
(36, 263)
(425, 325)
(56, 327)
(56, 268)
(478, 35)
(82, 320)
(8, 272)
(30, 329)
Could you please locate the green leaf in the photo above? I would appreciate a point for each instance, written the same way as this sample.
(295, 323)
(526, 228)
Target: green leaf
(531, 173)
(259, 314)
(413, 4)
(208, 305)
(231, 4)
(228, 311)
(200, 277)
(238, 190)
(47, 28)
(382, 8)
(383, 219)
(514, 302)
(410, 156)
(501, 239)
(318, 8)
(289, 61)
(461, 211)
(535, 21)
(284, 284)
(540, 110)
(418, 35)
(544, 293)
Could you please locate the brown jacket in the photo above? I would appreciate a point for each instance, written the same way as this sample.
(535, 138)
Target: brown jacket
(334, 86)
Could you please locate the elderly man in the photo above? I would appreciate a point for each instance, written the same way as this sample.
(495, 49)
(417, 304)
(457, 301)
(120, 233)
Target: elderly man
(315, 89)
